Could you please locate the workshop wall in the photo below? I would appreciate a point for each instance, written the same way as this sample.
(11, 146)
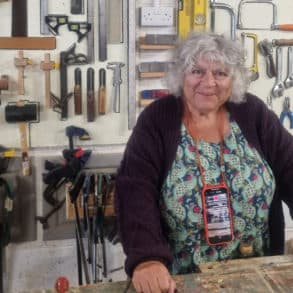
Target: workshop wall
(25, 269)
(110, 128)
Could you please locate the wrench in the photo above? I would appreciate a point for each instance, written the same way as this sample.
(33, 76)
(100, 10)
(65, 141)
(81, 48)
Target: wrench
(266, 49)
(289, 80)
(116, 67)
(278, 89)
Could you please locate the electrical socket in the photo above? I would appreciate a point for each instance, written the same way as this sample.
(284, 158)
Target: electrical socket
(156, 16)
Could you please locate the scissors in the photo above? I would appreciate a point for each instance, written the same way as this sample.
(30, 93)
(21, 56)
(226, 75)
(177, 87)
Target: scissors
(286, 112)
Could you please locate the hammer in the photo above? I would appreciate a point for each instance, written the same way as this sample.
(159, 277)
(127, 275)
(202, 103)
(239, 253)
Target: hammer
(23, 112)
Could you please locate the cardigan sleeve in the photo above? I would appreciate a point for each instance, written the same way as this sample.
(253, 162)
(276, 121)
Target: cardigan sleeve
(138, 184)
(263, 130)
(277, 143)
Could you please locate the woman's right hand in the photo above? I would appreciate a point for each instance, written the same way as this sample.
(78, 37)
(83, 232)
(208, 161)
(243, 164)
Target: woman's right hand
(152, 277)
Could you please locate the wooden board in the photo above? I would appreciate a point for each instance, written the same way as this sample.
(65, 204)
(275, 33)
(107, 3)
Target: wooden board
(254, 275)
(28, 43)
(232, 265)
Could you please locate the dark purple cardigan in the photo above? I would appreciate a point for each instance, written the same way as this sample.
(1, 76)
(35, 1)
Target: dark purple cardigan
(149, 154)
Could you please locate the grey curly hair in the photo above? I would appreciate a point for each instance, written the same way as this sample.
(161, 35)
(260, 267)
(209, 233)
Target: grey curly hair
(216, 48)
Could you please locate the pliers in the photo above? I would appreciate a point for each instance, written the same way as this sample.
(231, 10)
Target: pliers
(286, 112)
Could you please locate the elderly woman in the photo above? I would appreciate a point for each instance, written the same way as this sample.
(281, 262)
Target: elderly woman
(204, 171)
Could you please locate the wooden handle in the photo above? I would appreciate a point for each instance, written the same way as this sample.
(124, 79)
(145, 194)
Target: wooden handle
(77, 100)
(102, 101)
(48, 101)
(20, 63)
(285, 27)
(91, 106)
(20, 82)
(4, 82)
(282, 42)
(23, 137)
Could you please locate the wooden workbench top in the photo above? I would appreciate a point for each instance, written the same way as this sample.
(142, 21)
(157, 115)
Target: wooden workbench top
(255, 275)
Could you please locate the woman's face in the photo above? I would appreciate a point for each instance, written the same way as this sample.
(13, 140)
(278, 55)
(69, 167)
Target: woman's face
(207, 86)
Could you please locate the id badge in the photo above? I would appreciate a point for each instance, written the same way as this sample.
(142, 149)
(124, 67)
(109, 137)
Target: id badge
(217, 214)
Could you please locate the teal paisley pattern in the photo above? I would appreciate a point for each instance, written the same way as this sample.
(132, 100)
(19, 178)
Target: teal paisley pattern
(252, 186)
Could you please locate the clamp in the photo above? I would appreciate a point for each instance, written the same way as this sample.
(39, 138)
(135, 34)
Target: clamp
(286, 112)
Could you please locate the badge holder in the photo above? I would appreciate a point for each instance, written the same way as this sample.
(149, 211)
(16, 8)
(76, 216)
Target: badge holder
(217, 214)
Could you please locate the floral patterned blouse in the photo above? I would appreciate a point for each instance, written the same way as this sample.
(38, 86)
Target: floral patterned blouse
(251, 183)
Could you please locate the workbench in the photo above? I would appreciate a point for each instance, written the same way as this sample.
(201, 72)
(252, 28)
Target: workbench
(254, 275)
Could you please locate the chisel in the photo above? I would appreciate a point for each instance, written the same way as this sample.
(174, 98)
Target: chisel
(77, 92)
(102, 92)
(90, 94)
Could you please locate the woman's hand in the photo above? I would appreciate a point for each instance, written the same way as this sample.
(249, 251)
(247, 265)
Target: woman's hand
(152, 277)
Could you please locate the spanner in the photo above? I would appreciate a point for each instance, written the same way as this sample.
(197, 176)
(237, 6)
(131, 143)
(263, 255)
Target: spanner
(289, 80)
(116, 67)
(278, 89)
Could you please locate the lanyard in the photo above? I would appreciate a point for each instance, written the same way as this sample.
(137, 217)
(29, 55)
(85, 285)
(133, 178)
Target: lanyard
(194, 135)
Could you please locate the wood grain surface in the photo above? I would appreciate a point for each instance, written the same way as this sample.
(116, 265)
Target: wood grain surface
(254, 275)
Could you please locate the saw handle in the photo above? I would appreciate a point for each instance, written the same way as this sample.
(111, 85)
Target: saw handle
(284, 27)
(282, 42)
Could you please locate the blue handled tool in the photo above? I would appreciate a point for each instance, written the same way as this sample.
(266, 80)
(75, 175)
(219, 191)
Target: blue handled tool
(286, 112)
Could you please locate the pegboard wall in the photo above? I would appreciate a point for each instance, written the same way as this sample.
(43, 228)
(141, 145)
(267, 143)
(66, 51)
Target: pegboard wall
(112, 128)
